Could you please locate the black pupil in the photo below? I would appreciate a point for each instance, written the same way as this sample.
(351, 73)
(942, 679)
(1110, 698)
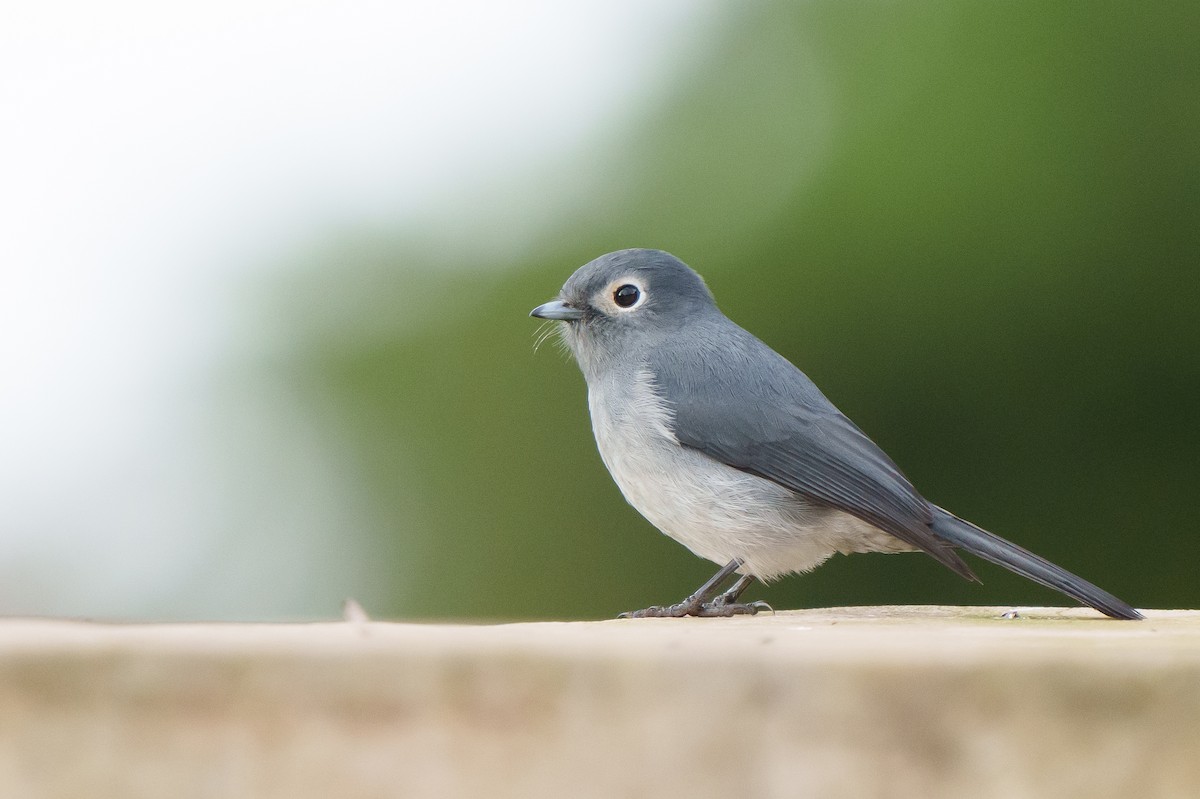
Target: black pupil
(626, 296)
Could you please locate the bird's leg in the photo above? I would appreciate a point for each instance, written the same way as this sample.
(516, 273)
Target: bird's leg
(727, 604)
(694, 603)
(703, 603)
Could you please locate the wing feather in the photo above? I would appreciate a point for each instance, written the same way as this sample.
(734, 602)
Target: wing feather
(751, 409)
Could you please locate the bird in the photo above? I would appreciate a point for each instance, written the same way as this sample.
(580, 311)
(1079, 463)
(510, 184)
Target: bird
(729, 449)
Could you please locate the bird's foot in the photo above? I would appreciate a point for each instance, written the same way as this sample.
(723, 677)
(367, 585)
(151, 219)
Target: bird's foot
(689, 607)
(676, 611)
(723, 606)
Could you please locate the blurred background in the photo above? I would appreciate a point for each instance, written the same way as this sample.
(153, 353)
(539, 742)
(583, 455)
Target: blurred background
(266, 269)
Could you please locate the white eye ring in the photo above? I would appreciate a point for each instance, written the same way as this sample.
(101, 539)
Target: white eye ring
(626, 295)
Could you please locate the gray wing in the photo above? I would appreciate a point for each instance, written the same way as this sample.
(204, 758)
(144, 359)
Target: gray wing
(748, 407)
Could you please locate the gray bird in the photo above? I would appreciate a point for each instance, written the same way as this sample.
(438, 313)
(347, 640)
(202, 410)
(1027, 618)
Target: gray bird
(733, 452)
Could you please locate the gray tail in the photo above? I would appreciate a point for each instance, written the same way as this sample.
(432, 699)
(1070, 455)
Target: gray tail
(977, 541)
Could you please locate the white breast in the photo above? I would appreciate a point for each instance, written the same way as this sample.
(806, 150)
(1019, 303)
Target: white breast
(718, 512)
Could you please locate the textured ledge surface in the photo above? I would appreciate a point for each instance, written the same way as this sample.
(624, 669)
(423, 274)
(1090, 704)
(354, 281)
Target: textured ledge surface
(928, 701)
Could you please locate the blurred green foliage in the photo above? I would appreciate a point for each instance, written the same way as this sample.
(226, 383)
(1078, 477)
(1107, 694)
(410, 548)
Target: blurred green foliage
(973, 225)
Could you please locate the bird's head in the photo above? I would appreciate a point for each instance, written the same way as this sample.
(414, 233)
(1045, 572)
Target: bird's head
(624, 302)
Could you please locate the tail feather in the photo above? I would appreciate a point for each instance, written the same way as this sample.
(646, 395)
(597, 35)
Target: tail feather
(977, 541)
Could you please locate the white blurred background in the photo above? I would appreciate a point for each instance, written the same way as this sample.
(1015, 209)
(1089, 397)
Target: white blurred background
(158, 159)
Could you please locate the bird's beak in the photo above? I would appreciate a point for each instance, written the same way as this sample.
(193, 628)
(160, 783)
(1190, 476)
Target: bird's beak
(557, 309)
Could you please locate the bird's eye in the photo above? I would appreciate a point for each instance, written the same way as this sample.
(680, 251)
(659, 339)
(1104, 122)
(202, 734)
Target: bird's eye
(626, 296)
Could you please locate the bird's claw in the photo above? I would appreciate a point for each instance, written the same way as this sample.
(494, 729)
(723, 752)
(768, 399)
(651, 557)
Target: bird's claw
(716, 608)
(676, 611)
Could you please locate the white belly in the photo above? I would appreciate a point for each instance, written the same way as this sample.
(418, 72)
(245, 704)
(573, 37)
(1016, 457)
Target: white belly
(716, 511)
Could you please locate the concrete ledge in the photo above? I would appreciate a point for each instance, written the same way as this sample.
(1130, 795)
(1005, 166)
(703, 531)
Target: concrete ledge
(844, 702)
